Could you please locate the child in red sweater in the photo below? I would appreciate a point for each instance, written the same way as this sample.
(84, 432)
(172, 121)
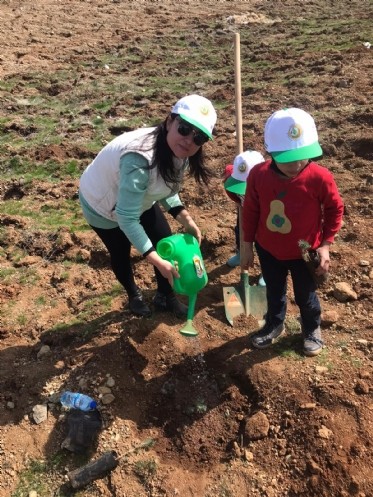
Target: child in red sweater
(288, 199)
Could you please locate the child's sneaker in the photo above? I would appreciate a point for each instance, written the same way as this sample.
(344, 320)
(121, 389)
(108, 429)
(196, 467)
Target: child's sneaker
(266, 336)
(234, 261)
(312, 344)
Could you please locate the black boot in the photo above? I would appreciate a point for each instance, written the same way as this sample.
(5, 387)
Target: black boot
(138, 306)
(169, 303)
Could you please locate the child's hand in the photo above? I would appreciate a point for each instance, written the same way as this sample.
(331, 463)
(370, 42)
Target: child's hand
(247, 255)
(323, 252)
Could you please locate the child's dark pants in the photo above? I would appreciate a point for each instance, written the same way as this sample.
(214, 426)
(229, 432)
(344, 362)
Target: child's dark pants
(275, 273)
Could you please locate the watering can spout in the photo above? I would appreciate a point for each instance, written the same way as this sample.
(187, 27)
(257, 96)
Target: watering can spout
(188, 329)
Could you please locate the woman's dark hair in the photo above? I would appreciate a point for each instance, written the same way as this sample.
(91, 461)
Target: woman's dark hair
(163, 159)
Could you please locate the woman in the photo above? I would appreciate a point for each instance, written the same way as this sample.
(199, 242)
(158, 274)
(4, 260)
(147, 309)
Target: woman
(120, 190)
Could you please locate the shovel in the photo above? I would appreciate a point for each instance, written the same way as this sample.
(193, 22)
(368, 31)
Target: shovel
(242, 298)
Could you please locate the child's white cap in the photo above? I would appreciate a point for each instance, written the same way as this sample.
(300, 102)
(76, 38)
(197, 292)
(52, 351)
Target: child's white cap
(242, 165)
(291, 135)
(198, 111)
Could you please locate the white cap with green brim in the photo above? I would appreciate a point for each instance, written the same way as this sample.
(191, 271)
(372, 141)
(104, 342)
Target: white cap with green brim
(291, 135)
(197, 111)
(242, 165)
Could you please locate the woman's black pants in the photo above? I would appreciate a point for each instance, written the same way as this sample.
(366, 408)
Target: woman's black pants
(156, 227)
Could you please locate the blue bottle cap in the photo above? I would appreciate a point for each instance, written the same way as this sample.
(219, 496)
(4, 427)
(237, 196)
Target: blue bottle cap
(93, 404)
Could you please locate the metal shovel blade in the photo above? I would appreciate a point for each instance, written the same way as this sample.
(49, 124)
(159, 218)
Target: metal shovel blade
(244, 299)
(232, 303)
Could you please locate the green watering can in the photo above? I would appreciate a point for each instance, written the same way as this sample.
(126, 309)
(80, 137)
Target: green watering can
(183, 251)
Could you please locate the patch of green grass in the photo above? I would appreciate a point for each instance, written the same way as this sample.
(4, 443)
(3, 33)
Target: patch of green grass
(41, 300)
(22, 319)
(323, 359)
(288, 347)
(97, 305)
(45, 477)
(7, 274)
(291, 354)
(50, 215)
(28, 276)
(356, 362)
(292, 325)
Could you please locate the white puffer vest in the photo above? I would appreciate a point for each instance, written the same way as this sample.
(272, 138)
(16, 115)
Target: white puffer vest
(99, 182)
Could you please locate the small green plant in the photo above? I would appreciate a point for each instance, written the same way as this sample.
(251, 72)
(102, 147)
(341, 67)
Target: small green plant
(22, 319)
(145, 470)
(43, 477)
(288, 347)
(324, 360)
(223, 491)
(356, 362)
(41, 300)
(292, 325)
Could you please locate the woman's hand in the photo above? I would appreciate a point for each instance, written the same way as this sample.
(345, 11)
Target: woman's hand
(186, 220)
(166, 269)
(247, 255)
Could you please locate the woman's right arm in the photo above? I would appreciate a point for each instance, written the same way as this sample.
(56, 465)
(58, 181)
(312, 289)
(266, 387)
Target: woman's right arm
(133, 183)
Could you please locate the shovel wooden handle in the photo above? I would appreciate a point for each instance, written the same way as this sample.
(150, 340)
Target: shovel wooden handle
(238, 103)
(237, 85)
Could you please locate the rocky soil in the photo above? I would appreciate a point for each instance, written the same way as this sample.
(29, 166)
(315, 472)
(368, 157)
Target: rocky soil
(203, 417)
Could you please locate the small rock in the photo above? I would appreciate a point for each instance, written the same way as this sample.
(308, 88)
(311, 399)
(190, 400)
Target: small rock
(10, 405)
(83, 383)
(329, 317)
(364, 263)
(313, 467)
(33, 493)
(107, 398)
(257, 426)
(39, 413)
(248, 456)
(29, 260)
(321, 369)
(103, 390)
(236, 450)
(110, 382)
(343, 292)
(44, 351)
(308, 405)
(362, 387)
(324, 432)
(364, 375)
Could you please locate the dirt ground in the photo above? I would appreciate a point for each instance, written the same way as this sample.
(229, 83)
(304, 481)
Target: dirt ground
(210, 416)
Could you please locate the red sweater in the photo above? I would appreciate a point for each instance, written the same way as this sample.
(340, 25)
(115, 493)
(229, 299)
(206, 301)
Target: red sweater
(279, 211)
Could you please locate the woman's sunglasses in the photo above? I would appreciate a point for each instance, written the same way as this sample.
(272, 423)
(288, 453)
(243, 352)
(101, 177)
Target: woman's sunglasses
(184, 129)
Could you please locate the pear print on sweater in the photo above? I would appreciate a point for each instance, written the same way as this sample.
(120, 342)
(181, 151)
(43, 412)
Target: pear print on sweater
(277, 221)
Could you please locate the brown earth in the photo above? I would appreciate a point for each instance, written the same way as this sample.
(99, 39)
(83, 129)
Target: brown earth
(191, 402)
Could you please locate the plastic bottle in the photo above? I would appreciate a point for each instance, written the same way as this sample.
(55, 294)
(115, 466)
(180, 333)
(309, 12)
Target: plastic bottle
(75, 400)
(183, 251)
